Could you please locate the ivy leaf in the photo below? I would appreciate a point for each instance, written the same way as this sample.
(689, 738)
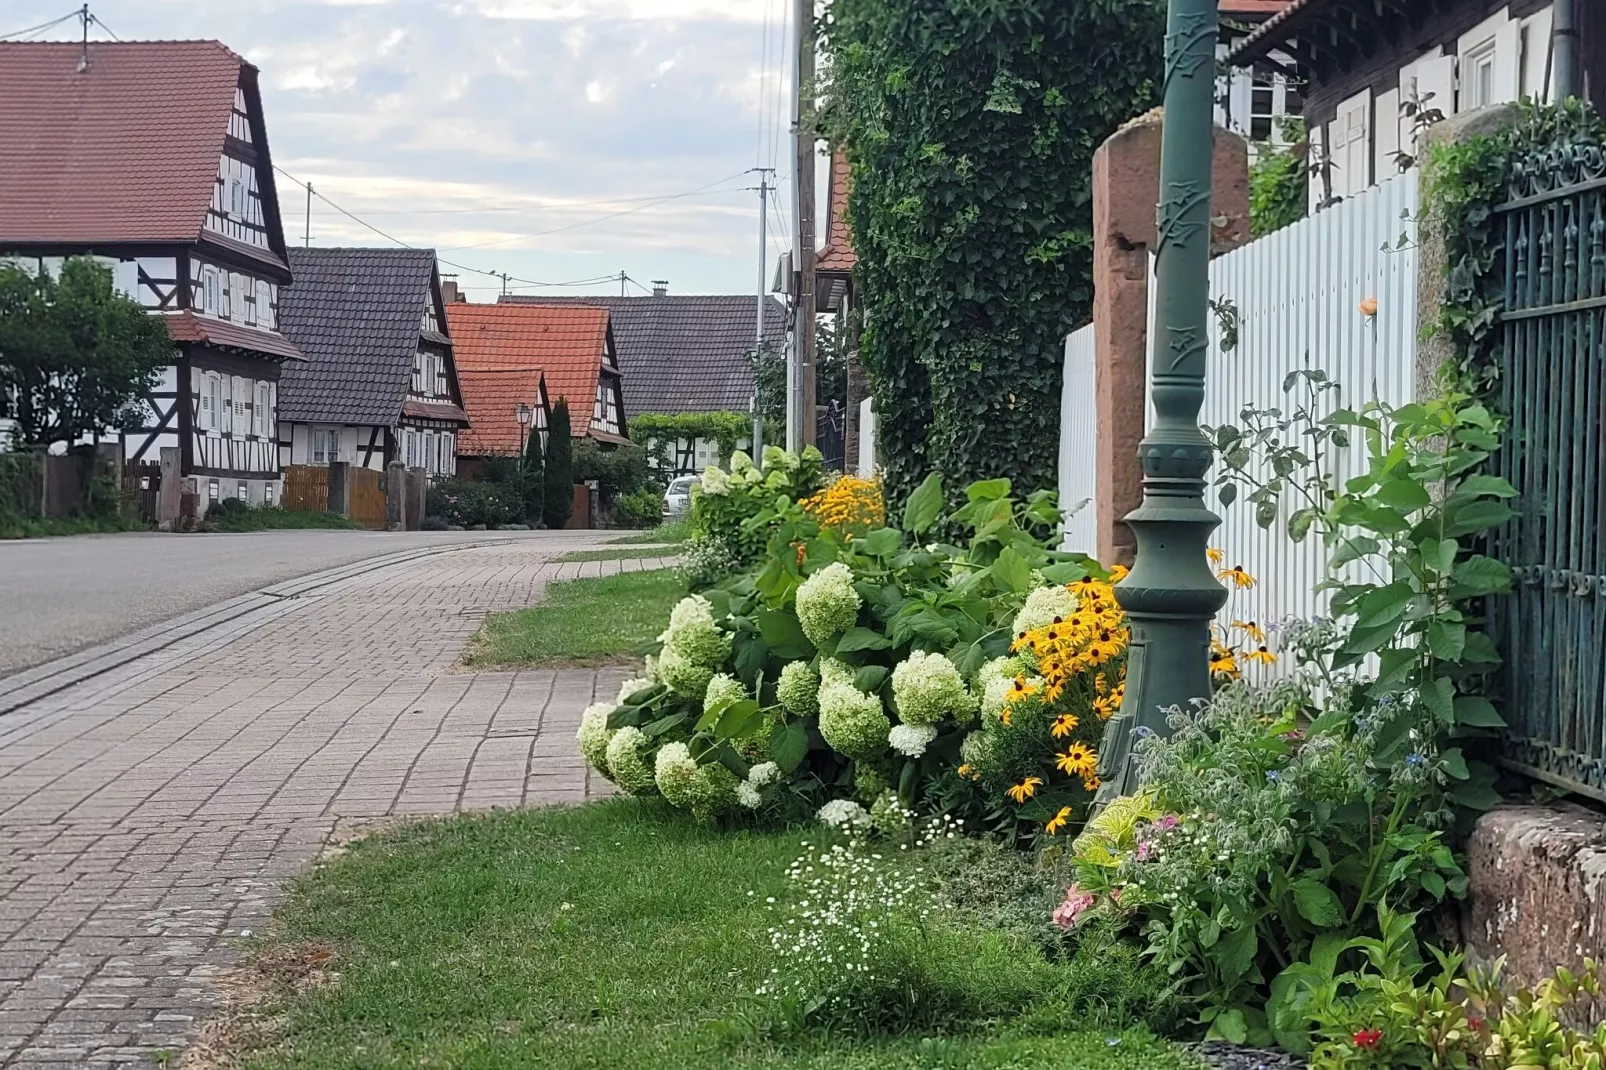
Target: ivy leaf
(924, 505)
(1317, 903)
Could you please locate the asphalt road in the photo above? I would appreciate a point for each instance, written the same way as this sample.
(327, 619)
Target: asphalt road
(59, 595)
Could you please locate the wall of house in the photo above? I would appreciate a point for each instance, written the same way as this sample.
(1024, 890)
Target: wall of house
(302, 443)
(232, 415)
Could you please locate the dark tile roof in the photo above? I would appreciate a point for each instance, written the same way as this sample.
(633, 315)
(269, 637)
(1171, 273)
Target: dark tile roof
(126, 150)
(356, 314)
(186, 326)
(683, 353)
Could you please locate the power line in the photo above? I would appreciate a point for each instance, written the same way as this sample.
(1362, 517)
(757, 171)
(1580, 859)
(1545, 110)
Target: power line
(96, 20)
(42, 26)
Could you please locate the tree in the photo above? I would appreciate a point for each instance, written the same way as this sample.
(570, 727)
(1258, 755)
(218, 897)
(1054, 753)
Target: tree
(830, 376)
(76, 356)
(970, 126)
(559, 468)
(534, 479)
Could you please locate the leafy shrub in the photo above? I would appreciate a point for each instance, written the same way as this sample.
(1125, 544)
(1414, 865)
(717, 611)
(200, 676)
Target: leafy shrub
(467, 504)
(642, 508)
(434, 523)
(1279, 182)
(617, 470)
(724, 505)
(228, 508)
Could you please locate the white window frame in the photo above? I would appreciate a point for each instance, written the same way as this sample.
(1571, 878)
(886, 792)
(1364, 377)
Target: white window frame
(264, 306)
(259, 420)
(325, 445)
(211, 291)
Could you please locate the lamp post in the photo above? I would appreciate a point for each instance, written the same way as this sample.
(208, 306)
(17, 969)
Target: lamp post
(523, 413)
(1171, 596)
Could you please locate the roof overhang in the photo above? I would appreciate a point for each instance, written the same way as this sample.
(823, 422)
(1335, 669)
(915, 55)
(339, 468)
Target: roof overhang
(1325, 35)
(605, 436)
(188, 327)
(434, 410)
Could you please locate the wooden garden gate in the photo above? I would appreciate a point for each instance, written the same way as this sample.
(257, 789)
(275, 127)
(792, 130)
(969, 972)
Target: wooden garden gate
(367, 488)
(306, 488)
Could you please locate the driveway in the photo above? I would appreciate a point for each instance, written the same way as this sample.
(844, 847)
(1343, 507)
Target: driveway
(149, 815)
(59, 595)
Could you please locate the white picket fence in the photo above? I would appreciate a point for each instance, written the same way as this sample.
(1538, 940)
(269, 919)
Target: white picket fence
(1297, 298)
(1078, 459)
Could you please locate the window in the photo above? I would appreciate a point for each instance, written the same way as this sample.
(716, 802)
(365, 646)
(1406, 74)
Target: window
(226, 405)
(242, 490)
(241, 391)
(208, 409)
(211, 491)
(236, 199)
(260, 415)
(267, 494)
(264, 305)
(325, 446)
(212, 297)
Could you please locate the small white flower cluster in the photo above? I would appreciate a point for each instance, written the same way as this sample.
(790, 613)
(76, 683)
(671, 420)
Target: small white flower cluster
(750, 792)
(715, 483)
(630, 687)
(911, 740)
(844, 814)
(594, 735)
(927, 689)
(994, 680)
(827, 604)
(1042, 606)
(852, 722)
(798, 688)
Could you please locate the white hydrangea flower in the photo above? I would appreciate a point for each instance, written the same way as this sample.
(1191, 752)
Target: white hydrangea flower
(827, 604)
(798, 688)
(994, 681)
(926, 688)
(833, 671)
(748, 796)
(911, 740)
(674, 770)
(777, 459)
(630, 761)
(851, 722)
(763, 773)
(715, 482)
(723, 690)
(844, 814)
(594, 736)
(740, 462)
(693, 611)
(1042, 606)
(630, 687)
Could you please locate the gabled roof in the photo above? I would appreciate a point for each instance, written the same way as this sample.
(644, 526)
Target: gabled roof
(681, 353)
(125, 150)
(186, 326)
(356, 315)
(838, 255)
(501, 344)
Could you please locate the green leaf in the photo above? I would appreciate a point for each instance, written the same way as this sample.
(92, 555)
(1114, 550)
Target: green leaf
(1475, 794)
(1403, 494)
(1439, 697)
(1454, 762)
(1010, 571)
(1473, 711)
(861, 638)
(1383, 605)
(869, 678)
(1317, 903)
(987, 490)
(1299, 524)
(1479, 575)
(1440, 556)
(789, 745)
(1064, 572)
(1476, 516)
(1227, 494)
(1446, 639)
(883, 542)
(1480, 650)
(783, 634)
(1235, 951)
(1490, 486)
(750, 655)
(738, 719)
(1230, 1026)
(924, 505)
(1354, 548)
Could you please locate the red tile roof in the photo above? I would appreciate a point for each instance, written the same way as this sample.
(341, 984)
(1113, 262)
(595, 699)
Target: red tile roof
(838, 254)
(126, 150)
(502, 351)
(1251, 9)
(188, 327)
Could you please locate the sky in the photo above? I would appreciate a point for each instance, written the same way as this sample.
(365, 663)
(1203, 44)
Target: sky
(500, 132)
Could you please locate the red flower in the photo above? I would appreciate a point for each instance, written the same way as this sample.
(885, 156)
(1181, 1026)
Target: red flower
(1477, 1024)
(1368, 1038)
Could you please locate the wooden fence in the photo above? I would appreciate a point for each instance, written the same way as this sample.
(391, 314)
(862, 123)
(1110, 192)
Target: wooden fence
(367, 489)
(306, 488)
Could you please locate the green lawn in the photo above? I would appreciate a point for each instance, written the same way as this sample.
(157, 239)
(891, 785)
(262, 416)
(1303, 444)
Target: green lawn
(620, 555)
(16, 527)
(272, 518)
(615, 936)
(590, 620)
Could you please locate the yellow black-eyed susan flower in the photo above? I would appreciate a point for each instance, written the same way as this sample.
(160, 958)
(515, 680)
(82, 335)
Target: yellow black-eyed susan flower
(1025, 789)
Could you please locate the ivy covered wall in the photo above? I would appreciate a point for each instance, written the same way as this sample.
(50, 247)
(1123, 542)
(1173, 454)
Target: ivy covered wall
(971, 127)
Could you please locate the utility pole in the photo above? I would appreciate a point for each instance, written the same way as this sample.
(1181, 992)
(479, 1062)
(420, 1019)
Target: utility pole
(306, 235)
(622, 278)
(764, 174)
(803, 184)
(1171, 595)
(1565, 47)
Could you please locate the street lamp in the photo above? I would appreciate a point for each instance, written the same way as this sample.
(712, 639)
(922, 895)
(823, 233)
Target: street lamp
(523, 412)
(1170, 597)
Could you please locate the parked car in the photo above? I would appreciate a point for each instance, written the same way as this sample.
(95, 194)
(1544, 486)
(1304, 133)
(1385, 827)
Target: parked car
(677, 499)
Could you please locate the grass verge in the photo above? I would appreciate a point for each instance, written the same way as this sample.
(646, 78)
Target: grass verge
(16, 527)
(645, 553)
(673, 531)
(611, 936)
(591, 620)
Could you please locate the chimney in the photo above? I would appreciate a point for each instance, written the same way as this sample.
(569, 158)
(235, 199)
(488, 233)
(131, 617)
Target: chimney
(449, 293)
(660, 287)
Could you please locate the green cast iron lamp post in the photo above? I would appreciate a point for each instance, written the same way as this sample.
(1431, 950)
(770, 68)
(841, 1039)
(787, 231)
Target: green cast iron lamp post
(1170, 597)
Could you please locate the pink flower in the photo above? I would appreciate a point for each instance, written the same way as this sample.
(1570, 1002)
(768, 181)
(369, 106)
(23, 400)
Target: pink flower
(1077, 902)
(1169, 822)
(1143, 850)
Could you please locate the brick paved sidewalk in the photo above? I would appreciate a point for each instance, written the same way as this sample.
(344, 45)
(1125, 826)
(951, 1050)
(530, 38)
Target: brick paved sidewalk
(149, 816)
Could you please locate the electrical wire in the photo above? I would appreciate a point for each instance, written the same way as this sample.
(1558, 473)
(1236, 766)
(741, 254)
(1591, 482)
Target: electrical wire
(96, 20)
(42, 26)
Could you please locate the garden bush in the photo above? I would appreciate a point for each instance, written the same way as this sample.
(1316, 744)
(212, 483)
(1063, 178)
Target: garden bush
(725, 506)
(642, 508)
(466, 504)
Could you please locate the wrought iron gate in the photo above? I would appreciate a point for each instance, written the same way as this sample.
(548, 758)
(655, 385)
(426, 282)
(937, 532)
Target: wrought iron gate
(1552, 628)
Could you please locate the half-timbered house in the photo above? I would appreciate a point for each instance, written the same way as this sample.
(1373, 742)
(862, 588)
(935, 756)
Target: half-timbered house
(153, 158)
(379, 383)
(512, 356)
